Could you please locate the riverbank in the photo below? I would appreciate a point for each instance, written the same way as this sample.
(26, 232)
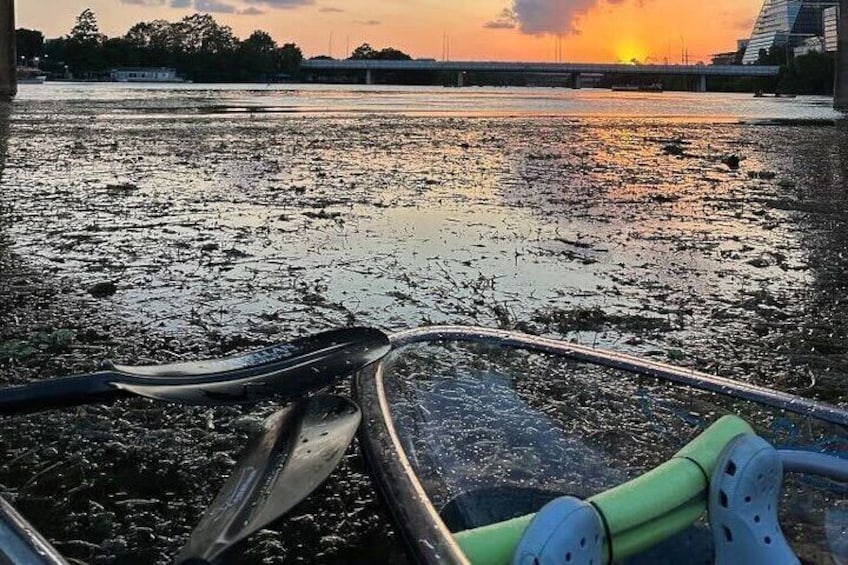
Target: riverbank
(225, 226)
(126, 483)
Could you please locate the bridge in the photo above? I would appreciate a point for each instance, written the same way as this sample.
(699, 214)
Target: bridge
(371, 67)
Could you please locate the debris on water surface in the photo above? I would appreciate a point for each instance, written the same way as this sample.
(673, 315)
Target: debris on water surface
(673, 149)
(732, 161)
(102, 289)
(636, 275)
(121, 187)
(765, 175)
(581, 319)
(16, 349)
(56, 340)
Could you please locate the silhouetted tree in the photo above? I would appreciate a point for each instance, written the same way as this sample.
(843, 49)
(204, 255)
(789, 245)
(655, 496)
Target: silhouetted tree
(808, 74)
(30, 43)
(158, 34)
(86, 30)
(55, 53)
(290, 59)
(118, 52)
(197, 46)
(84, 42)
(258, 56)
(200, 33)
(389, 53)
(365, 51)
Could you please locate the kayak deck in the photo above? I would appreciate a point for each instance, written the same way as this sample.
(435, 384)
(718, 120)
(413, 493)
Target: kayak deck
(467, 429)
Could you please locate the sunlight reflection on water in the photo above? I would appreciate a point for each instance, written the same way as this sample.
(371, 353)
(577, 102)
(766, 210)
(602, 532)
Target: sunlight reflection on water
(391, 218)
(140, 101)
(605, 218)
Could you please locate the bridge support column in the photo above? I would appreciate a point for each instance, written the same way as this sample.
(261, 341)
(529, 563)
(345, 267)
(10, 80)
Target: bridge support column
(702, 84)
(840, 88)
(575, 81)
(369, 76)
(460, 79)
(8, 59)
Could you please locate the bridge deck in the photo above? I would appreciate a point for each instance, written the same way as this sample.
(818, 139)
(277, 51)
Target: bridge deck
(497, 66)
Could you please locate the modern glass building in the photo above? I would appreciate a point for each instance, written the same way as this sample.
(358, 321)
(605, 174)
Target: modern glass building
(785, 23)
(831, 24)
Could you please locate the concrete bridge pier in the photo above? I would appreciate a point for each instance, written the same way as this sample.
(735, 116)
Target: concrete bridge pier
(460, 79)
(701, 86)
(840, 89)
(369, 75)
(575, 81)
(8, 58)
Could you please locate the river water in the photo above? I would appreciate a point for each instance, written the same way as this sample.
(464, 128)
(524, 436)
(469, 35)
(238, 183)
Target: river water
(249, 214)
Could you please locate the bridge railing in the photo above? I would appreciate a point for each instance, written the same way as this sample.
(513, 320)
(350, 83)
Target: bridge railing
(518, 67)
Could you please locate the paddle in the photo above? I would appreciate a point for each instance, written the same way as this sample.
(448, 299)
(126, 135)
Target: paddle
(287, 370)
(299, 448)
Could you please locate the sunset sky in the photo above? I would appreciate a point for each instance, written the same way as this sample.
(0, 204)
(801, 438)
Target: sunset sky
(590, 30)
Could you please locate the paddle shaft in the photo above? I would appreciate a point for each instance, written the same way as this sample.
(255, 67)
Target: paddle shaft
(286, 370)
(61, 393)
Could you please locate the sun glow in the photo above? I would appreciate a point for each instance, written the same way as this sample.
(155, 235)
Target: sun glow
(629, 51)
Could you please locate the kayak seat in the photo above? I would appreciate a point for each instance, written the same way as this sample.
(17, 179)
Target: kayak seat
(481, 507)
(569, 531)
(743, 502)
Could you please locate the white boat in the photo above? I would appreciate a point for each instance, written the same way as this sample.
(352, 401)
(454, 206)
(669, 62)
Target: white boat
(145, 74)
(30, 75)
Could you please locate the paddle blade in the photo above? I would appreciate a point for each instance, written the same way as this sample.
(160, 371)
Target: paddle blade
(285, 371)
(360, 344)
(299, 448)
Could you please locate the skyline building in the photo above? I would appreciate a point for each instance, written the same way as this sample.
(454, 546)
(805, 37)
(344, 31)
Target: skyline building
(786, 24)
(831, 24)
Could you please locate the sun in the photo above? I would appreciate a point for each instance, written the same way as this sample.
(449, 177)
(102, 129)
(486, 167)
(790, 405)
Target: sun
(630, 51)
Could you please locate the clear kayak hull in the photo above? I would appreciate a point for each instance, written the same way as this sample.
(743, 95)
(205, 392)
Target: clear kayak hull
(464, 427)
(21, 543)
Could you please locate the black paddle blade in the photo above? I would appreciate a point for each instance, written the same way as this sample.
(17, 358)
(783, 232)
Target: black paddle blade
(287, 370)
(299, 448)
(366, 340)
(284, 371)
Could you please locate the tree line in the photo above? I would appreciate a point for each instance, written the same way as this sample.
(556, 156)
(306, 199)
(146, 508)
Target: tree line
(198, 47)
(812, 73)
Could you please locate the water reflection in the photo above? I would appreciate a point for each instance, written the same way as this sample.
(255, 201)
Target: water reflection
(746, 260)
(816, 202)
(619, 231)
(253, 230)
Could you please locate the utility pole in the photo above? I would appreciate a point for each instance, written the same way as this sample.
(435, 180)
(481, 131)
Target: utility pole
(840, 91)
(8, 58)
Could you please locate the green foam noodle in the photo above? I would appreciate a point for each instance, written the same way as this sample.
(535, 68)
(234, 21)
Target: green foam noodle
(638, 513)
